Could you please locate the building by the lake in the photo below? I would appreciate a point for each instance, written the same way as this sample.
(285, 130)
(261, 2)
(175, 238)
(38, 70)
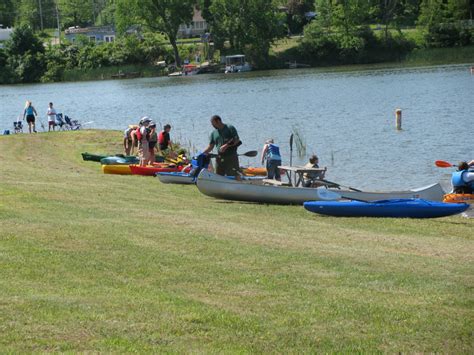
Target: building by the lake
(94, 34)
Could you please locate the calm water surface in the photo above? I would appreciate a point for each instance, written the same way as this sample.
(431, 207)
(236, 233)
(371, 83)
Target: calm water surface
(347, 118)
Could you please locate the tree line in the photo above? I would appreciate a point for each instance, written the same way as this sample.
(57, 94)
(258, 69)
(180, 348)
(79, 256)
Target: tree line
(334, 31)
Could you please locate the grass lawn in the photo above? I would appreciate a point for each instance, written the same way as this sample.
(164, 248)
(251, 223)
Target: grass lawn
(93, 262)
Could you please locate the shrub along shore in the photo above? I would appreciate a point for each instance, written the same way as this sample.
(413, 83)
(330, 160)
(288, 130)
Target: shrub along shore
(93, 262)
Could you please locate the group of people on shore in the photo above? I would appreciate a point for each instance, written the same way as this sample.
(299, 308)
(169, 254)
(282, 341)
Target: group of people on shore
(224, 138)
(147, 140)
(30, 115)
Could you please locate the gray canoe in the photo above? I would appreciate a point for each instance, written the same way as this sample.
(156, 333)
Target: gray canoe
(220, 187)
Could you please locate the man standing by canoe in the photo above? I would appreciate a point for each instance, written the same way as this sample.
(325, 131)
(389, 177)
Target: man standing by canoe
(226, 139)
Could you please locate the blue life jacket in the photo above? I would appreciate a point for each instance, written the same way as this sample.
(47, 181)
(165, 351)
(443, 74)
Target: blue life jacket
(273, 152)
(29, 111)
(458, 181)
(198, 163)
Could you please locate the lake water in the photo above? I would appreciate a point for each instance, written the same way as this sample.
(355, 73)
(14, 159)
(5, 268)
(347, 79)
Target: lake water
(347, 118)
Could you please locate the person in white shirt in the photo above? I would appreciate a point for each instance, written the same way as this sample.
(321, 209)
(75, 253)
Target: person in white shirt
(51, 113)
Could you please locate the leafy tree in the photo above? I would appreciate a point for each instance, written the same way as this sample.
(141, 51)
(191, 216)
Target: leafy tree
(76, 12)
(7, 12)
(25, 54)
(442, 22)
(157, 15)
(296, 14)
(250, 26)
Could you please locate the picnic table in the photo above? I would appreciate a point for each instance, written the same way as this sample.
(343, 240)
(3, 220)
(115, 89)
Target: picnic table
(299, 171)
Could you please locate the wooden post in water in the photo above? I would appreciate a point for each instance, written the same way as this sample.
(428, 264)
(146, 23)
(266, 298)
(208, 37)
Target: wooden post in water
(398, 118)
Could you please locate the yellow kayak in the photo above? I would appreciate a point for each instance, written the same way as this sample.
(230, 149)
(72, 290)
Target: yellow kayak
(117, 169)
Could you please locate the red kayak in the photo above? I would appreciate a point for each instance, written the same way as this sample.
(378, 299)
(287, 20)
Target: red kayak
(151, 170)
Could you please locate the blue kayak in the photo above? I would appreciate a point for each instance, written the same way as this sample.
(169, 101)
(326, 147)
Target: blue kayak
(398, 208)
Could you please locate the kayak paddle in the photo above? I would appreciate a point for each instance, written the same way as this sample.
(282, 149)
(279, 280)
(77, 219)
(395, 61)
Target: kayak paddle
(250, 154)
(443, 164)
(339, 185)
(327, 195)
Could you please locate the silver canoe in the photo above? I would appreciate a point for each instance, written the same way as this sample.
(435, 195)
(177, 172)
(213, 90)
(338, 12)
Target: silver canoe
(220, 187)
(176, 178)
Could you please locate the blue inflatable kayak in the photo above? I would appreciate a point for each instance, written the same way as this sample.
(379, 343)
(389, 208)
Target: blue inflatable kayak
(399, 208)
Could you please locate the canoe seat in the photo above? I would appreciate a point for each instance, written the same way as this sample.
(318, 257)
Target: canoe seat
(275, 182)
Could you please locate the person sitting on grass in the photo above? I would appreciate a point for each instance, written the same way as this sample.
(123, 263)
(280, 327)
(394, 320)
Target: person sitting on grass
(313, 179)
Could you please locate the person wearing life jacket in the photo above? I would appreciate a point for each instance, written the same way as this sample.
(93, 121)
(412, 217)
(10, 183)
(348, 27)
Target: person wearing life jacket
(128, 139)
(143, 135)
(271, 153)
(164, 139)
(30, 114)
(463, 179)
(153, 140)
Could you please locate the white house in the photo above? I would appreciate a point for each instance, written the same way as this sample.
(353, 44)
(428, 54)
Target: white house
(5, 34)
(197, 27)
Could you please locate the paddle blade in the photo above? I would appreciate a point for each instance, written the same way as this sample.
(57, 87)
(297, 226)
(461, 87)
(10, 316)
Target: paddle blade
(251, 154)
(443, 164)
(327, 195)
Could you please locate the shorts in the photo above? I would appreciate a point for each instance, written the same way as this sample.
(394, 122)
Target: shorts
(30, 118)
(273, 170)
(51, 123)
(227, 165)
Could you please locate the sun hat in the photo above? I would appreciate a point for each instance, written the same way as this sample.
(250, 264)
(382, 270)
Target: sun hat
(145, 119)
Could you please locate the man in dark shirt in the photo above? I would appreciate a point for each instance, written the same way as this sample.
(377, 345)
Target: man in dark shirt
(226, 139)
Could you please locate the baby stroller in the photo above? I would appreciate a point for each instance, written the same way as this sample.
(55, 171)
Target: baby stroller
(18, 127)
(73, 125)
(60, 121)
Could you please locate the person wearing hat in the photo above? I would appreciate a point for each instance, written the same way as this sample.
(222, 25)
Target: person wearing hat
(152, 141)
(271, 153)
(143, 136)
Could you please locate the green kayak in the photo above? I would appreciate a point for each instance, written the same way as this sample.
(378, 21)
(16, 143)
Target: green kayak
(130, 159)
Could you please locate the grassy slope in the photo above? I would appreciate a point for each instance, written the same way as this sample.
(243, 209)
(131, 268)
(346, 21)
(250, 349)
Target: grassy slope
(121, 263)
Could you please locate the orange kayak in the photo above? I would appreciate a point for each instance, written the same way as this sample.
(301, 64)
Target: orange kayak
(251, 171)
(459, 198)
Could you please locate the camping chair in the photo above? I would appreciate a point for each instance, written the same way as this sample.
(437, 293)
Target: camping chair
(72, 124)
(18, 127)
(60, 122)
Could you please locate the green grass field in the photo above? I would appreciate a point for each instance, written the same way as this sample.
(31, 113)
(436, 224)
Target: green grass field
(93, 262)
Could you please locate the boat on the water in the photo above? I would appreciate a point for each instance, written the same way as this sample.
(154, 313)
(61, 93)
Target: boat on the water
(395, 208)
(216, 186)
(236, 64)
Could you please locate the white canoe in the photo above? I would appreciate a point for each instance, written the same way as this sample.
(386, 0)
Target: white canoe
(220, 187)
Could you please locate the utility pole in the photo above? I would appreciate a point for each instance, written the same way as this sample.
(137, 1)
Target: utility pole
(41, 14)
(57, 20)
